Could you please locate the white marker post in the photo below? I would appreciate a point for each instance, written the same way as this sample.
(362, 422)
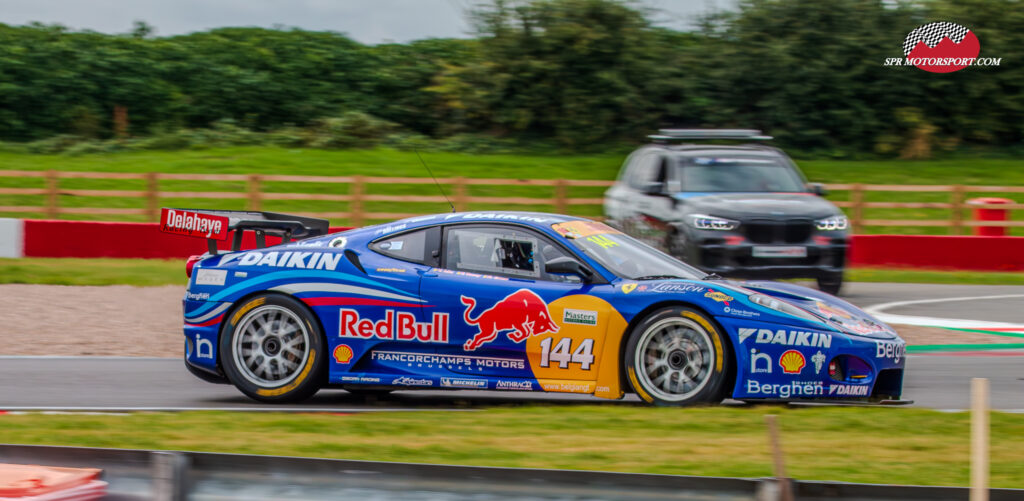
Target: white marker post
(783, 482)
(979, 439)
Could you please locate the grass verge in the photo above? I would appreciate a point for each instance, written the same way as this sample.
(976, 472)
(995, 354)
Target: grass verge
(141, 272)
(934, 276)
(876, 445)
(74, 271)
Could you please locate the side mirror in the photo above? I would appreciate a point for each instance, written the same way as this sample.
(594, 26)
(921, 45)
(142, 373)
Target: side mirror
(654, 188)
(818, 189)
(568, 266)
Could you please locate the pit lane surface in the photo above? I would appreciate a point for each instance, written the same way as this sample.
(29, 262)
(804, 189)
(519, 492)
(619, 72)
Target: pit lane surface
(934, 381)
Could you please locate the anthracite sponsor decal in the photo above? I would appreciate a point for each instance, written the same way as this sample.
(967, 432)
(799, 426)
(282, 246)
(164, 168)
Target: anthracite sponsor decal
(502, 384)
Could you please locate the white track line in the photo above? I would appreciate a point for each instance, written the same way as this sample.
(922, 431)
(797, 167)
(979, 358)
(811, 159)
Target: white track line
(953, 323)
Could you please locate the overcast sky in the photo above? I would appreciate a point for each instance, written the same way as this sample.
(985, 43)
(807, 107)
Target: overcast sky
(368, 21)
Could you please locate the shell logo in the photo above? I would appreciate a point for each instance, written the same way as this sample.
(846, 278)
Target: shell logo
(343, 354)
(792, 362)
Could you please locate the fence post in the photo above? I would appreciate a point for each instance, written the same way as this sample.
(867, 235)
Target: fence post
(857, 197)
(561, 192)
(254, 192)
(460, 193)
(979, 439)
(52, 195)
(355, 206)
(153, 195)
(779, 464)
(169, 473)
(956, 212)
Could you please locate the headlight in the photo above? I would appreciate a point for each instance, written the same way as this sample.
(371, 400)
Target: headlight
(782, 306)
(703, 222)
(833, 223)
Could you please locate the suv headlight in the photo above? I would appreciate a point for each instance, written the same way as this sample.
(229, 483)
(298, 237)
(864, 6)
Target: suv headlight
(833, 223)
(703, 222)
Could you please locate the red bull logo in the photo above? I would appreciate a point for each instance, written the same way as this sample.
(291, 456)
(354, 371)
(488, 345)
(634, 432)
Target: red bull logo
(400, 325)
(523, 313)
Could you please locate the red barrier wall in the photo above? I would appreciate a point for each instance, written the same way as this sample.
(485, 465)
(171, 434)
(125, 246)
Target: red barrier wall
(120, 240)
(144, 240)
(938, 251)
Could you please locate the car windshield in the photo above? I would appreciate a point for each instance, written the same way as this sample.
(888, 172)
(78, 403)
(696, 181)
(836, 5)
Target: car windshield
(623, 255)
(740, 174)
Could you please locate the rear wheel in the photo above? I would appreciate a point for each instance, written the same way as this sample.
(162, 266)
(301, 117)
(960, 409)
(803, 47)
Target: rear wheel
(272, 349)
(676, 356)
(831, 284)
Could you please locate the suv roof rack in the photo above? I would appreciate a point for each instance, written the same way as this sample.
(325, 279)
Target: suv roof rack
(666, 135)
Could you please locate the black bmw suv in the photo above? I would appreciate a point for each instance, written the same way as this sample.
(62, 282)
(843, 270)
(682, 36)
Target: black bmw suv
(738, 210)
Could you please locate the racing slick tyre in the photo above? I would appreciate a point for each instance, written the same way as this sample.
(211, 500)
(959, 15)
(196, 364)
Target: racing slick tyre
(677, 356)
(272, 349)
(831, 284)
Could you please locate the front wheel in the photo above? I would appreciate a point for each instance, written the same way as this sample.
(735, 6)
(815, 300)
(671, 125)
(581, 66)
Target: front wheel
(676, 356)
(272, 349)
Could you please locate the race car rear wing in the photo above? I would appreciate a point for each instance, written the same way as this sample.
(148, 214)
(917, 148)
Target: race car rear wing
(214, 225)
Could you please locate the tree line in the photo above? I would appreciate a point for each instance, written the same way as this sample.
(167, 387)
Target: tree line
(577, 73)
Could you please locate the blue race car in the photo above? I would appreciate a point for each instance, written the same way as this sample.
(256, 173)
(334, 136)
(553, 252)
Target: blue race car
(510, 301)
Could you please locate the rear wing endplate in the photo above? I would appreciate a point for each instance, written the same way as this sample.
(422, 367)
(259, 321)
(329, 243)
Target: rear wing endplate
(214, 226)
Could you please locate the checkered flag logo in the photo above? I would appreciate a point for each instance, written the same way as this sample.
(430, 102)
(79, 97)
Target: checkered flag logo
(932, 34)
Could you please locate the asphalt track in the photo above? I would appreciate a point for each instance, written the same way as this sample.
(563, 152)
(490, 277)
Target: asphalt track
(92, 383)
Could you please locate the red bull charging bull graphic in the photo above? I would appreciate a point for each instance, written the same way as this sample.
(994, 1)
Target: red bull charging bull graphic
(521, 314)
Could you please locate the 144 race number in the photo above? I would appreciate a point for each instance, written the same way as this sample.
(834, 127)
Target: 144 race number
(583, 354)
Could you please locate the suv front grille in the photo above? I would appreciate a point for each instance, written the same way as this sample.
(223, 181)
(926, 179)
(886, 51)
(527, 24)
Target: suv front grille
(768, 231)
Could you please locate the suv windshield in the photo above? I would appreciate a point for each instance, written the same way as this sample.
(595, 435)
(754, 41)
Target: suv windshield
(739, 174)
(621, 254)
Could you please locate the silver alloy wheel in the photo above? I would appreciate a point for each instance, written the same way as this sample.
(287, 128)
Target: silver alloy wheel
(270, 346)
(674, 359)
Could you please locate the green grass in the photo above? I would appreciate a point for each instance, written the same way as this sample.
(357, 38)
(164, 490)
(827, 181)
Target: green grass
(384, 162)
(142, 272)
(934, 276)
(73, 271)
(876, 445)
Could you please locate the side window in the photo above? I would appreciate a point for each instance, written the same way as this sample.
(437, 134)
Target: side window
(416, 246)
(492, 250)
(645, 171)
(502, 251)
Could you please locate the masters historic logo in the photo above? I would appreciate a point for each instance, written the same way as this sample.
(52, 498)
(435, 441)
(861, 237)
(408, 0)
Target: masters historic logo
(942, 47)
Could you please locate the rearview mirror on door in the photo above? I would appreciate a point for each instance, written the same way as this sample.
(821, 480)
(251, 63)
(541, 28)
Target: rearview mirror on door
(568, 266)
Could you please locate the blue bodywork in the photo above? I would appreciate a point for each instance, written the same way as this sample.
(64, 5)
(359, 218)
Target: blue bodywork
(394, 323)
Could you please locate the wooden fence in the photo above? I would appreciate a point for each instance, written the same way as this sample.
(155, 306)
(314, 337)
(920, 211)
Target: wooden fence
(358, 195)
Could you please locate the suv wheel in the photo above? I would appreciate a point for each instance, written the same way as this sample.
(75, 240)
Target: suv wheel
(831, 284)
